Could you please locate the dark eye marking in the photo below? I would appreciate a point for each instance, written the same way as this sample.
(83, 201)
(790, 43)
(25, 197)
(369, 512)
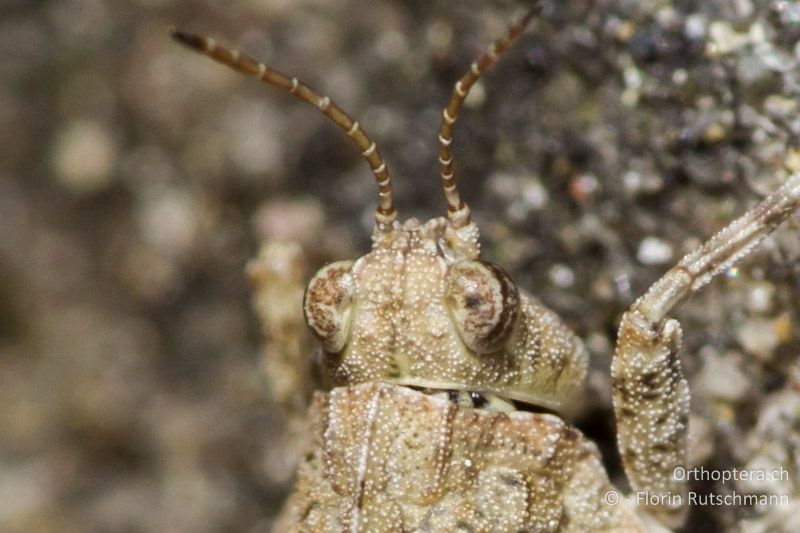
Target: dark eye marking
(472, 301)
(484, 303)
(327, 304)
(478, 399)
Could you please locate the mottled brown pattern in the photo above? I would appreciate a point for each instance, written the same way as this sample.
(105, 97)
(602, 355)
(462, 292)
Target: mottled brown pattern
(651, 394)
(509, 303)
(384, 458)
(326, 305)
(409, 322)
(484, 304)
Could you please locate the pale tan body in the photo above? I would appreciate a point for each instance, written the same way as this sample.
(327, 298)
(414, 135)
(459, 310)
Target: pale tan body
(412, 446)
(385, 458)
(398, 323)
(422, 310)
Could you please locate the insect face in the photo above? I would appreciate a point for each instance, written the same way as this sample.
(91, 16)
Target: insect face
(415, 311)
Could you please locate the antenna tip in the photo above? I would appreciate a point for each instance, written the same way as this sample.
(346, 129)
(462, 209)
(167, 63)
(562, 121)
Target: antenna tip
(534, 11)
(189, 39)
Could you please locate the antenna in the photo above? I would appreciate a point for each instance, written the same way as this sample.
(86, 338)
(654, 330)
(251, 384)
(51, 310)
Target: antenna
(458, 211)
(385, 214)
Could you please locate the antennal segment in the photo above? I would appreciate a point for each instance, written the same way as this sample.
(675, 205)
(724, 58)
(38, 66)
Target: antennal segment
(385, 214)
(457, 211)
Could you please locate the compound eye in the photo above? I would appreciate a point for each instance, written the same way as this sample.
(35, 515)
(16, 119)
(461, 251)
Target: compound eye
(484, 304)
(327, 305)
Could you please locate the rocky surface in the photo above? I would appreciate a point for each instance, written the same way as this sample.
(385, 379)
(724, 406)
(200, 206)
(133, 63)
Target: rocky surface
(136, 180)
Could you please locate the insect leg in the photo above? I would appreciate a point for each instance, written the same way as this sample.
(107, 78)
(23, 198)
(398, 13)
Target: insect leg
(651, 395)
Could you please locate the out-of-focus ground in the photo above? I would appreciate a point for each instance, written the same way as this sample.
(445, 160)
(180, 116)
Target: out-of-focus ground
(136, 180)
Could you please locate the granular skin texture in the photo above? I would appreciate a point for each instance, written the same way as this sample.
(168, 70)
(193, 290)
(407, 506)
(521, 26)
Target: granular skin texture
(386, 458)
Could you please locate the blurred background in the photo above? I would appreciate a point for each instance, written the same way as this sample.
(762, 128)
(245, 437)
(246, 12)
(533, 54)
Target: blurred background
(137, 179)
